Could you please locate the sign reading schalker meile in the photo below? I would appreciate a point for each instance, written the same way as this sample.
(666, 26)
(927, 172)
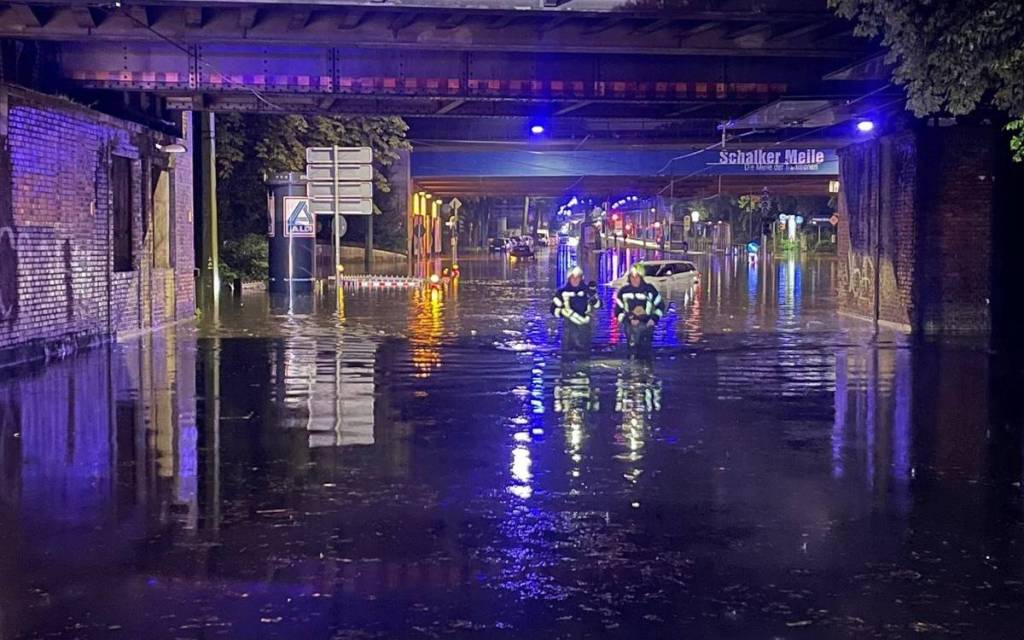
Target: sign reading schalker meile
(765, 157)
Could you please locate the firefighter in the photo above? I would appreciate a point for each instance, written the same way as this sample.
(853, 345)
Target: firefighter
(639, 307)
(573, 303)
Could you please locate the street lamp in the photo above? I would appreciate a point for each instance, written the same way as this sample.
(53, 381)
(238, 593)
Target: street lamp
(537, 129)
(695, 216)
(171, 148)
(865, 126)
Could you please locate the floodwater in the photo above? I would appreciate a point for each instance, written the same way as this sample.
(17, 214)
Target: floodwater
(407, 463)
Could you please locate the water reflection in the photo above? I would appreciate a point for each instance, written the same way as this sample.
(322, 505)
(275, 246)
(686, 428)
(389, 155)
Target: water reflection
(637, 400)
(302, 474)
(575, 398)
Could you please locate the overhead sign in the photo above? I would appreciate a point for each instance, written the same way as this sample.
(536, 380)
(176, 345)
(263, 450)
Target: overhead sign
(773, 160)
(344, 155)
(324, 191)
(681, 161)
(346, 206)
(346, 173)
(299, 222)
(340, 180)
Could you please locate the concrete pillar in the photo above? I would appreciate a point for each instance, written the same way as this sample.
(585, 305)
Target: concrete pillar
(209, 264)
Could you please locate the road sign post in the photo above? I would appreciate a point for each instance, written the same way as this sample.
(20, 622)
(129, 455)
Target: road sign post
(340, 183)
(455, 205)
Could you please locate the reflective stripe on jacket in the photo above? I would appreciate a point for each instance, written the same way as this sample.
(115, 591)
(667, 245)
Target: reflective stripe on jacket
(574, 304)
(646, 296)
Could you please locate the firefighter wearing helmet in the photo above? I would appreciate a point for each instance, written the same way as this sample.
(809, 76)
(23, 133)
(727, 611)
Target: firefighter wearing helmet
(573, 303)
(639, 307)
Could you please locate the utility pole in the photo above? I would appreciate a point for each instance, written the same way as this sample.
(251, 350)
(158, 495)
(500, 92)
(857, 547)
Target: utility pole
(209, 274)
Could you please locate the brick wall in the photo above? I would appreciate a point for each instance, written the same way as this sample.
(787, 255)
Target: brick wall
(913, 207)
(58, 288)
(955, 234)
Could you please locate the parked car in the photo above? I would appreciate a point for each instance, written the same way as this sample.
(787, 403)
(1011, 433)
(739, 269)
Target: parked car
(676, 274)
(521, 250)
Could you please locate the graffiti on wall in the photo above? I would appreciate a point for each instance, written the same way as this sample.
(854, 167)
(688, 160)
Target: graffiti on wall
(8, 241)
(862, 278)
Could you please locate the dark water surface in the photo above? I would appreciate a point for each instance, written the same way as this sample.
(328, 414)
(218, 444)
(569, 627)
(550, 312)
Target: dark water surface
(402, 463)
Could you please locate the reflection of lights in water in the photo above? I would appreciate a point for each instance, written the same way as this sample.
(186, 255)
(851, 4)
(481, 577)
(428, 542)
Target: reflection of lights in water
(573, 398)
(425, 331)
(637, 396)
(839, 421)
(521, 464)
(521, 474)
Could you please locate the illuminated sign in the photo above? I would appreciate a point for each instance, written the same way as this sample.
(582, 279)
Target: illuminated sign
(774, 160)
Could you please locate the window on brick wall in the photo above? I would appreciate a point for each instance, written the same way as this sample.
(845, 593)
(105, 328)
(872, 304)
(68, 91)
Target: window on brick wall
(121, 183)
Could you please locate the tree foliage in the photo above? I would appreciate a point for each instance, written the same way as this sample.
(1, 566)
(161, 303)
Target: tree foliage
(951, 55)
(250, 147)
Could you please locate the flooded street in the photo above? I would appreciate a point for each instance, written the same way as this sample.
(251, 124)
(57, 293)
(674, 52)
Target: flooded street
(414, 463)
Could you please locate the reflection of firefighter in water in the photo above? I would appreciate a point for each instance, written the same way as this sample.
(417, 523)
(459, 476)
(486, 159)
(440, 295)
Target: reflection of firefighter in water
(637, 398)
(639, 307)
(574, 399)
(637, 393)
(574, 303)
(573, 391)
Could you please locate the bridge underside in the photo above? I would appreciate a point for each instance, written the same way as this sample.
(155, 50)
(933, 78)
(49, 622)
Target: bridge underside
(584, 67)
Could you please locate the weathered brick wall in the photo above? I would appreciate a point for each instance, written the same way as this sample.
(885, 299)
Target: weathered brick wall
(57, 283)
(913, 206)
(877, 176)
(956, 200)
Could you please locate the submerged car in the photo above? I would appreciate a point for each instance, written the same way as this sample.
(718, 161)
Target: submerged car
(499, 244)
(665, 273)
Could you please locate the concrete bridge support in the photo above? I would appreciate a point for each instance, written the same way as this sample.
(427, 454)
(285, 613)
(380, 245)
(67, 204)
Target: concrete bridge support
(916, 242)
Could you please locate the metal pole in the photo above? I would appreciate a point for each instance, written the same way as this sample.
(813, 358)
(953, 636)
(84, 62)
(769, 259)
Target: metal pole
(368, 250)
(210, 268)
(455, 236)
(526, 215)
(337, 215)
(878, 233)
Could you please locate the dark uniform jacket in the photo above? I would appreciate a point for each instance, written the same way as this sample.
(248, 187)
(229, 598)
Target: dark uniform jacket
(574, 303)
(642, 302)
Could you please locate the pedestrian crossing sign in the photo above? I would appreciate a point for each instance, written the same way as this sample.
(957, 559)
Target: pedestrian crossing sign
(299, 221)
